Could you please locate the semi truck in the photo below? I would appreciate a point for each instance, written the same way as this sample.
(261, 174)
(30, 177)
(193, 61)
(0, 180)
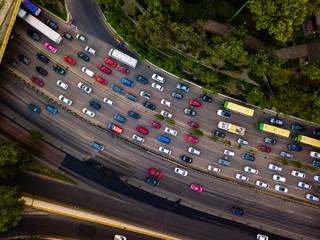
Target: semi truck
(231, 128)
(40, 26)
(31, 7)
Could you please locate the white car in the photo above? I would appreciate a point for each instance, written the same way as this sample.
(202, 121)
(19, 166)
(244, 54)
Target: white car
(298, 174)
(138, 138)
(84, 87)
(65, 100)
(315, 154)
(242, 141)
(166, 114)
(262, 184)
(87, 71)
(304, 185)
(214, 169)
(158, 78)
(193, 151)
(181, 171)
(228, 153)
(108, 101)
(316, 178)
(164, 150)
(312, 197)
(274, 167)
(278, 178)
(62, 85)
(157, 86)
(281, 189)
(145, 94)
(171, 131)
(88, 112)
(119, 237)
(250, 170)
(262, 237)
(165, 102)
(241, 177)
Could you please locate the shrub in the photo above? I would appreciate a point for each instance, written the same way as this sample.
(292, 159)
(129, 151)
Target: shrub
(198, 132)
(284, 162)
(160, 117)
(214, 138)
(297, 164)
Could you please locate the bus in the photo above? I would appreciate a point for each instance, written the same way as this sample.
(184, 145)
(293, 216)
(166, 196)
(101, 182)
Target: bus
(307, 140)
(272, 129)
(124, 58)
(31, 7)
(238, 108)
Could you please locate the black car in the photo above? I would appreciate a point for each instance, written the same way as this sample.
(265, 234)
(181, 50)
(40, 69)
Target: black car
(141, 79)
(190, 112)
(43, 57)
(12, 63)
(297, 127)
(152, 181)
(224, 113)
(316, 132)
(177, 95)
(186, 159)
(131, 97)
(41, 71)
(149, 105)
(67, 35)
(51, 24)
(218, 134)
(58, 69)
(206, 98)
(83, 56)
(133, 115)
(34, 35)
(24, 59)
(95, 105)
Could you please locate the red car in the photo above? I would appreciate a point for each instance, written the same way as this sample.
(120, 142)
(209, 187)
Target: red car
(142, 130)
(191, 139)
(196, 188)
(105, 69)
(37, 81)
(194, 103)
(122, 69)
(110, 62)
(264, 149)
(193, 124)
(154, 124)
(69, 60)
(155, 172)
(101, 80)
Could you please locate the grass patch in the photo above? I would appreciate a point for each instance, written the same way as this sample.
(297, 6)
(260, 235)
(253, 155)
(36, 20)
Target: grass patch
(57, 7)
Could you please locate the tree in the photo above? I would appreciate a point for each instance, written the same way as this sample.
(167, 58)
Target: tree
(257, 97)
(280, 78)
(11, 205)
(312, 72)
(209, 79)
(35, 135)
(132, 8)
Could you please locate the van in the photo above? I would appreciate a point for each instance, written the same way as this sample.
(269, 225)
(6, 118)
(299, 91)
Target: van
(91, 50)
(87, 71)
(224, 162)
(163, 139)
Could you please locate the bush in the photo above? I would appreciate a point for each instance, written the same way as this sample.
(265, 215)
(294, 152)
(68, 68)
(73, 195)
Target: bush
(284, 162)
(160, 117)
(214, 138)
(311, 168)
(35, 135)
(228, 142)
(239, 146)
(198, 132)
(171, 121)
(297, 164)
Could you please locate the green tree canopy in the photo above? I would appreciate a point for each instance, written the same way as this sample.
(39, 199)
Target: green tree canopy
(312, 71)
(257, 97)
(280, 78)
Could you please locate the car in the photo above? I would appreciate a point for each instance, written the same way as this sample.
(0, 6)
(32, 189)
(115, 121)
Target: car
(262, 237)
(98, 146)
(34, 35)
(316, 163)
(110, 62)
(155, 125)
(196, 188)
(87, 71)
(224, 113)
(51, 24)
(304, 185)
(176, 95)
(285, 154)
(247, 157)
(133, 115)
(131, 97)
(100, 80)
(166, 114)
(276, 121)
(163, 139)
(264, 149)
(298, 174)
(12, 63)
(218, 134)
(250, 170)
(59, 69)
(83, 56)
(104, 69)
(206, 98)
(142, 130)
(141, 79)
(69, 60)
(81, 38)
(119, 118)
(316, 132)
(43, 57)
(297, 127)
(149, 105)
(224, 162)
(278, 178)
(138, 138)
(242, 141)
(84, 87)
(191, 139)
(294, 147)
(122, 69)
(314, 154)
(90, 50)
(88, 112)
(62, 85)
(270, 140)
(194, 103)
(228, 153)
(34, 108)
(312, 197)
(242, 177)
(186, 159)
(164, 150)
(170, 131)
(67, 35)
(24, 59)
(316, 178)
(281, 189)
(145, 95)
(108, 101)
(41, 71)
(152, 181)
(238, 211)
(119, 237)
(193, 124)
(165, 103)
(262, 184)
(115, 88)
(37, 81)
(158, 78)
(214, 169)
(95, 105)
(50, 47)
(274, 167)
(157, 86)
(190, 112)
(183, 87)
(193, 151)
(65, 100)
(180, 171)
(155, 173)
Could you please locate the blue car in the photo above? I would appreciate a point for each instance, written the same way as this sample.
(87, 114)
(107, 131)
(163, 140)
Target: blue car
(133, 115)
(247, 157)
(34, 108)
(141, 79)
(297, 127)
(98, 146)
(163, 139)
(95, 105)
(238, 211)
(119, 118)
(183, 87)
(127, 82)
(117, 89)
(152, 181)
(316, 163)
(51, 109)
(131, 97)
(295, 147)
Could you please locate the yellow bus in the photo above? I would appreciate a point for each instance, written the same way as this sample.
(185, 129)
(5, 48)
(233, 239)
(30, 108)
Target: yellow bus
(272, 129)
(307, 140)
(238, 108)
